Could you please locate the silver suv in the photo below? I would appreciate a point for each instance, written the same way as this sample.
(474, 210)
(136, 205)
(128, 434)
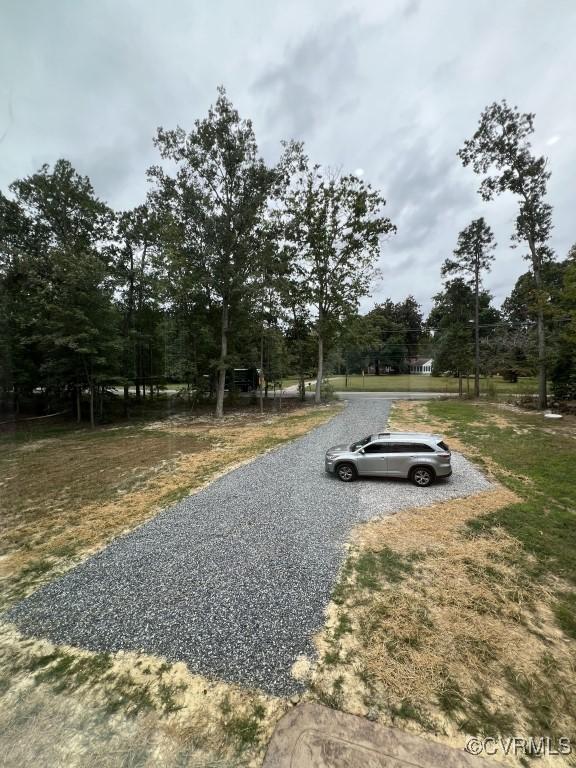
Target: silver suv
(416, 455)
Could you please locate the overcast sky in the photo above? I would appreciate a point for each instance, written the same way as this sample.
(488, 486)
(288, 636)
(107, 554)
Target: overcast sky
(390, 88)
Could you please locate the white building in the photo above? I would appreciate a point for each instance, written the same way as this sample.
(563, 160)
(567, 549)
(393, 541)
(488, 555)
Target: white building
(421, 366)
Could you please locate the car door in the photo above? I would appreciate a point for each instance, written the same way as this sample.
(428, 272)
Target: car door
(373, 460)
(404, 456)
(399, 460)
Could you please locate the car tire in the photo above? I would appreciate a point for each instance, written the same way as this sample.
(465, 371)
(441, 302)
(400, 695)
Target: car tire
(346, 472)
(422, 476)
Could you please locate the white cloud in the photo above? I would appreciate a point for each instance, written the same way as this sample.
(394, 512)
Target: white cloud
(390, 89)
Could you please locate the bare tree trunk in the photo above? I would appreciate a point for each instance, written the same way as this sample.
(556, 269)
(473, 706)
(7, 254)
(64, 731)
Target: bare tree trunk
(151, 371)
(222, 364)
(262, 369)
(477, 334)
(126, 400)
(460, 389)
(78, 405)
(542, 388)
(318, 393)
(92, 422)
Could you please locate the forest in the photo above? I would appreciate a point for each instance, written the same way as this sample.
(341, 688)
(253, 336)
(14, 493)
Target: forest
(230, 263)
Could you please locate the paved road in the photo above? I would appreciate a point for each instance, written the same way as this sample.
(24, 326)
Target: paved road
(345, 395)
(233, 580)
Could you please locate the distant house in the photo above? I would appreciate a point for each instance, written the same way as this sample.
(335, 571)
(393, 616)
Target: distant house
(421, 365)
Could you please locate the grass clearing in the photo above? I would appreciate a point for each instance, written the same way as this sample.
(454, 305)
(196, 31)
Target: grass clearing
(63, 706)
(411, 382)
(460, 615)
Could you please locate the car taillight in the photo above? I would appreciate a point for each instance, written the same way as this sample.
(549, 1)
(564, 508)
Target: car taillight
(444, 455)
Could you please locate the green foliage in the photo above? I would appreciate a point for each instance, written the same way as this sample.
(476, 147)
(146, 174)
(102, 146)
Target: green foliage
(563, 368)
(332, 225)
(55, 284)
(500, 150)
(213, 207)
(400, 332)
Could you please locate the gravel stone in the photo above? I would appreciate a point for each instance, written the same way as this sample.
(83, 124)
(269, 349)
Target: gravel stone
(234, 580)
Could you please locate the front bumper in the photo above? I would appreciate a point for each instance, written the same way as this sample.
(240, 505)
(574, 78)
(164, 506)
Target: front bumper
(329, 465)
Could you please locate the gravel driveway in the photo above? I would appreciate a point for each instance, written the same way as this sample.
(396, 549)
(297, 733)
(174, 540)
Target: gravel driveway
(234, 579)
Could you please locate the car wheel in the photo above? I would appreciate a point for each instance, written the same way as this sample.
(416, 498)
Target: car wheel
(422, 477)
(346, 472)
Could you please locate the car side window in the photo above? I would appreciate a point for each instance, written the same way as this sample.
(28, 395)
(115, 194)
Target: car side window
(375, 448)
(422, 448)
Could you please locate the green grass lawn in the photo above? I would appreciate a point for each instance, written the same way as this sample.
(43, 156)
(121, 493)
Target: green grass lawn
(415, 383)
(460, 617)
(538, 459)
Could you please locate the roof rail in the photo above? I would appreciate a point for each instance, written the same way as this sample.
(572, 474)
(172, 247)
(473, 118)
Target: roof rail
(383, 434)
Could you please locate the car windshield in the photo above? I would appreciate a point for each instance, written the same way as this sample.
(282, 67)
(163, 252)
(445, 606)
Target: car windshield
(360, 443)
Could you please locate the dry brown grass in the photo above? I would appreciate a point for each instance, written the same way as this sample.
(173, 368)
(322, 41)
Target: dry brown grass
(65, 498)
(446, 634)
(137, 711)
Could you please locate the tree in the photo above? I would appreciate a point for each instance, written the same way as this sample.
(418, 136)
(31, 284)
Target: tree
(450, 317)
(474, 254)
(334, 224)
(357, 339)
(70, 319)
(141, 280)
(501, 144)
(19, 358)
(216, 200)
(400, 329)
(451, 320)
(563, 373)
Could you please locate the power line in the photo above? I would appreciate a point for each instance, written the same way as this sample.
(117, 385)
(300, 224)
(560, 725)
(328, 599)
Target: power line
(425, 327)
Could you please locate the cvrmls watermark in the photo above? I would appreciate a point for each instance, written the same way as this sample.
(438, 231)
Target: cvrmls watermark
(519, 745)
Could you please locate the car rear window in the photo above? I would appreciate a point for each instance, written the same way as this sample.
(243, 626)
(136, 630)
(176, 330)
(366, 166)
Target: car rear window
(443, 445)
(408, 448)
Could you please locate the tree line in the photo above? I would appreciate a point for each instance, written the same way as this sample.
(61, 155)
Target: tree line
(231, 262)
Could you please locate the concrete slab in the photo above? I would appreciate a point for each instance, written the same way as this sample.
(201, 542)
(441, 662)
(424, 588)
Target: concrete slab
(312, 736)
